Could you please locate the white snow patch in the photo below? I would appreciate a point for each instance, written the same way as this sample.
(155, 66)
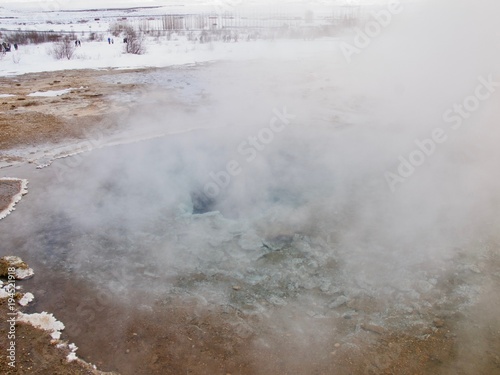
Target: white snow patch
(24, 273)
(44, 321)
(6, 95)
(27, 298)
(15, 199)
(21, 271)
(72, 356)
(51, 92)
(4, 293)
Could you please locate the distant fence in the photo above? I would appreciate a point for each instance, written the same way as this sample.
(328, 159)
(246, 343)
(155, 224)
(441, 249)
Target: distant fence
(214, 21)
(202, 22)
(29, 36)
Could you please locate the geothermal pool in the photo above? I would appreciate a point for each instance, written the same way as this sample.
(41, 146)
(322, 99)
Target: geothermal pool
(299, 260)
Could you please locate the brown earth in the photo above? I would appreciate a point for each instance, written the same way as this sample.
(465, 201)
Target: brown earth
(179, 335)
(34, 120)
(35, 354)
(184, 337)
(8, 188)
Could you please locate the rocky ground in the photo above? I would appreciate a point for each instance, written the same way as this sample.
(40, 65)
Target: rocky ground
(444, 321)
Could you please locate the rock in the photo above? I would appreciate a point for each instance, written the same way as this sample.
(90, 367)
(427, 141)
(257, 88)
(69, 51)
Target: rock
(337, 302)
(278, 242)
(438, 323)
(242, 329)
(22, 270)
(373, 328)
(277, 301)
(423, 286)
(250, 241)
(474, 268)
(404, 286)
(236, 287)
(150, 274)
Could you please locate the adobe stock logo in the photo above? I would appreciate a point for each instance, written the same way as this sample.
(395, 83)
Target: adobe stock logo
(372, 29)
(249, 149)
(455, 116)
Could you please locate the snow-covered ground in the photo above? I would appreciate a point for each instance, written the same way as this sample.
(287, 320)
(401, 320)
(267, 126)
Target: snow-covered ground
(159, 53)
(80, 21)
(83, 17)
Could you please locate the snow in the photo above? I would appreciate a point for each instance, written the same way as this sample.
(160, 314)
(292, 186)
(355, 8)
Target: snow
(159, 53)
(27, 298)
(4, 293)
(44, 321)
(6, 95)
(24, 273)
(6, 290)
(51, 92)
(72, 355)
(15, 199)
